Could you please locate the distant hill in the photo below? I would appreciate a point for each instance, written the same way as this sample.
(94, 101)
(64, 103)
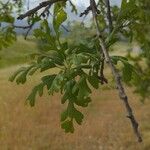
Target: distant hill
(20, 31)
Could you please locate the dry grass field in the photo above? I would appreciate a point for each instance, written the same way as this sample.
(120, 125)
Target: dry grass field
(105, 126)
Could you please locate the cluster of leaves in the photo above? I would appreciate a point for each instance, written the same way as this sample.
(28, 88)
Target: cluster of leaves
(78, 67)
(80, 64)
(7, 34)
(131, 22)
(138, 30)
(142, 34)
(129, 72)
(7, 20)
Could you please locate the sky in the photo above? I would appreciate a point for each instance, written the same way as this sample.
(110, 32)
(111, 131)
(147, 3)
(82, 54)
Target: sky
(86, 2)
(78, 2)
(81, 3)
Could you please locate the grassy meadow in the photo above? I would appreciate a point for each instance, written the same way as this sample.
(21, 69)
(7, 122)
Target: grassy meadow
(18, 53)
(105, 125)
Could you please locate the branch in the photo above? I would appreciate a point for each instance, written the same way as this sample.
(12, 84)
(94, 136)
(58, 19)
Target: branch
(102, 77)
(41, 5)
(109, 15)
(88, 9)
(27, 33)
(117, 77)
(21, 27)
(47, 5)
(31, 26)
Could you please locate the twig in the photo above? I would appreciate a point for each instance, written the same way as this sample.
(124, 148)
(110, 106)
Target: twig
(104, 80)
(40, 6)
(27, 33)
(102, 77)
(88, 9)
(31, 26)
(47, 5)
(21, 27)
(109, 16)
(117, 77)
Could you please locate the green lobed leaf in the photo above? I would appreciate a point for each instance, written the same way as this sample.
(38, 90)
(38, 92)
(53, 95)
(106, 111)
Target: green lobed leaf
(128, 69)
(69, 115)
(78, 116)
(68, 91)
(33, 70)
(84, 89)
(94, 81)
(56, 84)
(67, 126)
(48, 80)
(64, 115)
(13, 77)
(46, 64)
(36, 90)
(21, 79)
(59, 17)
(127, 73)
(84, 102)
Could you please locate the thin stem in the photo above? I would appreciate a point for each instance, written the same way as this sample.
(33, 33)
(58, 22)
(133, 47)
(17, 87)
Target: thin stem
(37, 8)
(109, 16)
